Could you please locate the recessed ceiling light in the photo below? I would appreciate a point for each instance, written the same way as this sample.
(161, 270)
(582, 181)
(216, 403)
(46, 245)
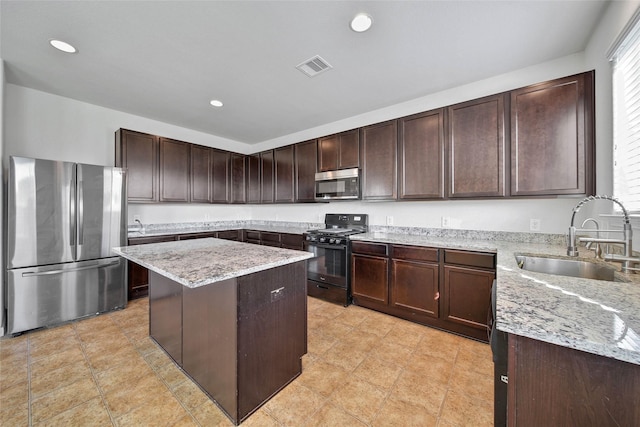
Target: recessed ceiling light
(361, 22)
(63, 46)
(216, 103)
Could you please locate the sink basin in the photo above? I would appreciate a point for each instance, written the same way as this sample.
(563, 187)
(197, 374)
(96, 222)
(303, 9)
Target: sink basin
(566, 267)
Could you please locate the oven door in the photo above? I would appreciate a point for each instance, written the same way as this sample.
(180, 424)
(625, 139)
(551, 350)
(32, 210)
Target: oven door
(330, 264)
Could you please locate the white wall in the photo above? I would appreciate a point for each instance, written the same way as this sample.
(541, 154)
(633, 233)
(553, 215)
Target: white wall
(43, 125)
(2, 87)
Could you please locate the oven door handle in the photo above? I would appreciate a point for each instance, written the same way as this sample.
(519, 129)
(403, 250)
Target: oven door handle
(327, 246)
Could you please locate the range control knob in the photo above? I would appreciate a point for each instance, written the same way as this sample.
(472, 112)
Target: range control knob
(332, 240)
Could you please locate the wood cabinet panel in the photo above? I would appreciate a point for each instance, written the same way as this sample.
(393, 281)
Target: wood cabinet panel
(175, 167)
(253, 178)
(284, 174)
(267, 181)
(415, 286)
(200, 174)
(476, 147)
(368, 248)
(292, 241)
(379, 152)
(421, 147)
(306, 161)
(229, 234)
(138, 276)
(238, 172)
(220, 175)
(138, 153)
(415, 253)
(467, 295)
(340, 151)
(552, 137)
(369, 278)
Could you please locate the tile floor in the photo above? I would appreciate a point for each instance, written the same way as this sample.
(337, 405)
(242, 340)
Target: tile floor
(363, 368)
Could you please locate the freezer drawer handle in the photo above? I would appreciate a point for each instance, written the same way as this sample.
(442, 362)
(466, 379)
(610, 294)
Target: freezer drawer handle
(69, 270)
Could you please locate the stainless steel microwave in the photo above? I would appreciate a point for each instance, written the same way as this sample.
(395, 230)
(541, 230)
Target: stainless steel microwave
(338, 185)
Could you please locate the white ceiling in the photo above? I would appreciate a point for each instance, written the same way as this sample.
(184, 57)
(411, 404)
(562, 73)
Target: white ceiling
(166, 60)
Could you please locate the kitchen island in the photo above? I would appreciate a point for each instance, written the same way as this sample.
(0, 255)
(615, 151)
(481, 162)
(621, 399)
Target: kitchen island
(231, 315)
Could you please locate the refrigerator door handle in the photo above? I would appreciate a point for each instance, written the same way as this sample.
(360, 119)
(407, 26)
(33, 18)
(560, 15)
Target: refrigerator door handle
(72, 211)
(68, 270)
(80, 214)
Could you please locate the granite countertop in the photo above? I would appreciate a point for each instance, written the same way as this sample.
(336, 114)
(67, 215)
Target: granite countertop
(165, 231)
(200, 262)
(595, 316)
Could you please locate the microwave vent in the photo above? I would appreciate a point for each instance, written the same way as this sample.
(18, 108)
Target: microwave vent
(314, 66)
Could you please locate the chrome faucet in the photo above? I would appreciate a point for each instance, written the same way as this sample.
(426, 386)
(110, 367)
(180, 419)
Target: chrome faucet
(141, 229)
(627, 260)
(597, 249)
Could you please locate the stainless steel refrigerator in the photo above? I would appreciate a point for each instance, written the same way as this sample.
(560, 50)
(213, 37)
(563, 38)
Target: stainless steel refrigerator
(63, 219)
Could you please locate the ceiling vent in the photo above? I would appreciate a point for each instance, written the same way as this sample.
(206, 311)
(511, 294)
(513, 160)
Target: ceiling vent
(314, 66)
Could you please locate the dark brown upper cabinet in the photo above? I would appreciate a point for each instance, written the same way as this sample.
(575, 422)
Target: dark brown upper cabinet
(306, 161)
(284, 176)
(476, 147)
(200, 174)
(175, 170)
(552, 141)
(340, 151)
(220, 176)
(421, 146)
(267, 168)
(238, 173)
(138, 153)
(379, 144)
(253, 178)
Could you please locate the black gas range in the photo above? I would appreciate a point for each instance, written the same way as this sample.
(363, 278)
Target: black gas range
(329, 273)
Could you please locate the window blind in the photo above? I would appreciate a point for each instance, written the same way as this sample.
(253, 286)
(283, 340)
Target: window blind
(626, 116)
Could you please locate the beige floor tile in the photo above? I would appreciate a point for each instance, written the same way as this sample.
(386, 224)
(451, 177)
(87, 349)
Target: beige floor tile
(208, 414)
(318, 343)
(106, 341)
(12, 373)
(86, 326)
(294, 404)
(332, 415)
(123, 374)
(361, 340)
(46, 336)
(101, 336)
(157, 359)
(159, 409)
(60, 377)
(404, 336)
(322, 377)
(462, 410)
(376, 324)
(14, 395)
(472, 384)
(189, 394)
(185, 421)
(377, 372)
(351, 317)
(145, 345)
(399, 413)
(90, 413)
(137, 332)
(478, 362)
(62, 399)
(431, 367)
(439, 344)
(115, 357)
(392, 353)
(67, 355)
(172, 375)
(359, 398)
(260, 418)
(344, 356)
(47, 348)
(412, 388)
(15, 415)
(124, 399)
(13, 350)
(336, 330)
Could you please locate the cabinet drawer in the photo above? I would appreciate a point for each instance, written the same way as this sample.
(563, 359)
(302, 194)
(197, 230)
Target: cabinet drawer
(292, 241)
(228, 234)
(471, 259)
(369, 248)
(268, 238)
(415, 253)
(252, 235)
(196, 236)
(154, 239)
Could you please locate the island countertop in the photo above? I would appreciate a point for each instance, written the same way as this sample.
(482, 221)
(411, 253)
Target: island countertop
(199, 262)
(595, 316)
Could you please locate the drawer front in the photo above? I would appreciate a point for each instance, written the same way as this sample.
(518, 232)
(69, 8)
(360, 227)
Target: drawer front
(292, 241)
(369, 248)
(471, 259)
(196, 236)
(415, 253)
(252, 235)
(267, 237)
(228, 234)
(154, 239)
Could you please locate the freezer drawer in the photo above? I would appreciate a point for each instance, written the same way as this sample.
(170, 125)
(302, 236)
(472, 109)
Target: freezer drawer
(45, 296)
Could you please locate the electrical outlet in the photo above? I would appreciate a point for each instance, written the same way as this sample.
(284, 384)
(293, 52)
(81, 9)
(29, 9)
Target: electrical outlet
(534, 224)
(446, 222)
(136, 218)
(389, 220)
(206, 217)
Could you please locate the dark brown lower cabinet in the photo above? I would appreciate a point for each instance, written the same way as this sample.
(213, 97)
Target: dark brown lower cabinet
(417, 284)
(241, 339)
(550, 385)
(138, 276)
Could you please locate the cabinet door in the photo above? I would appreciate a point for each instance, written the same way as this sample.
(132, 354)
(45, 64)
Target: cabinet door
(340, 151)
(253, 178)
(467, 295)
(175, 168)
(267, 168)
(200, 174)
(552, 137)
(238, 190)
(328, 153)
(415, 287)
(284, 161)
(476, 147)
(379, 150)
(138, 153)
(369, 279)
(220, 176)
(229, 234)
(138, 276)
(306, 153)
(421, 156)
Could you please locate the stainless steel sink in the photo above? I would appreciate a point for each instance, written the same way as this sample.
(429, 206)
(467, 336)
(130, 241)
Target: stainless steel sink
(566, 267)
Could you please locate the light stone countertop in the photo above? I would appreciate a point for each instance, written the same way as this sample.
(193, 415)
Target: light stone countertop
(151, 231)
(200, 262)
(594, 316)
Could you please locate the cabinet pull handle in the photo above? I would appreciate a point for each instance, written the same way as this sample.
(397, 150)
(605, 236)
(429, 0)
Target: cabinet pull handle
(322, 287)
(437, 297)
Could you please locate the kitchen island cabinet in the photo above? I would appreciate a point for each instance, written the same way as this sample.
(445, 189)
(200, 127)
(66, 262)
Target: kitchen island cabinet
(230, 314)
(138, 276)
